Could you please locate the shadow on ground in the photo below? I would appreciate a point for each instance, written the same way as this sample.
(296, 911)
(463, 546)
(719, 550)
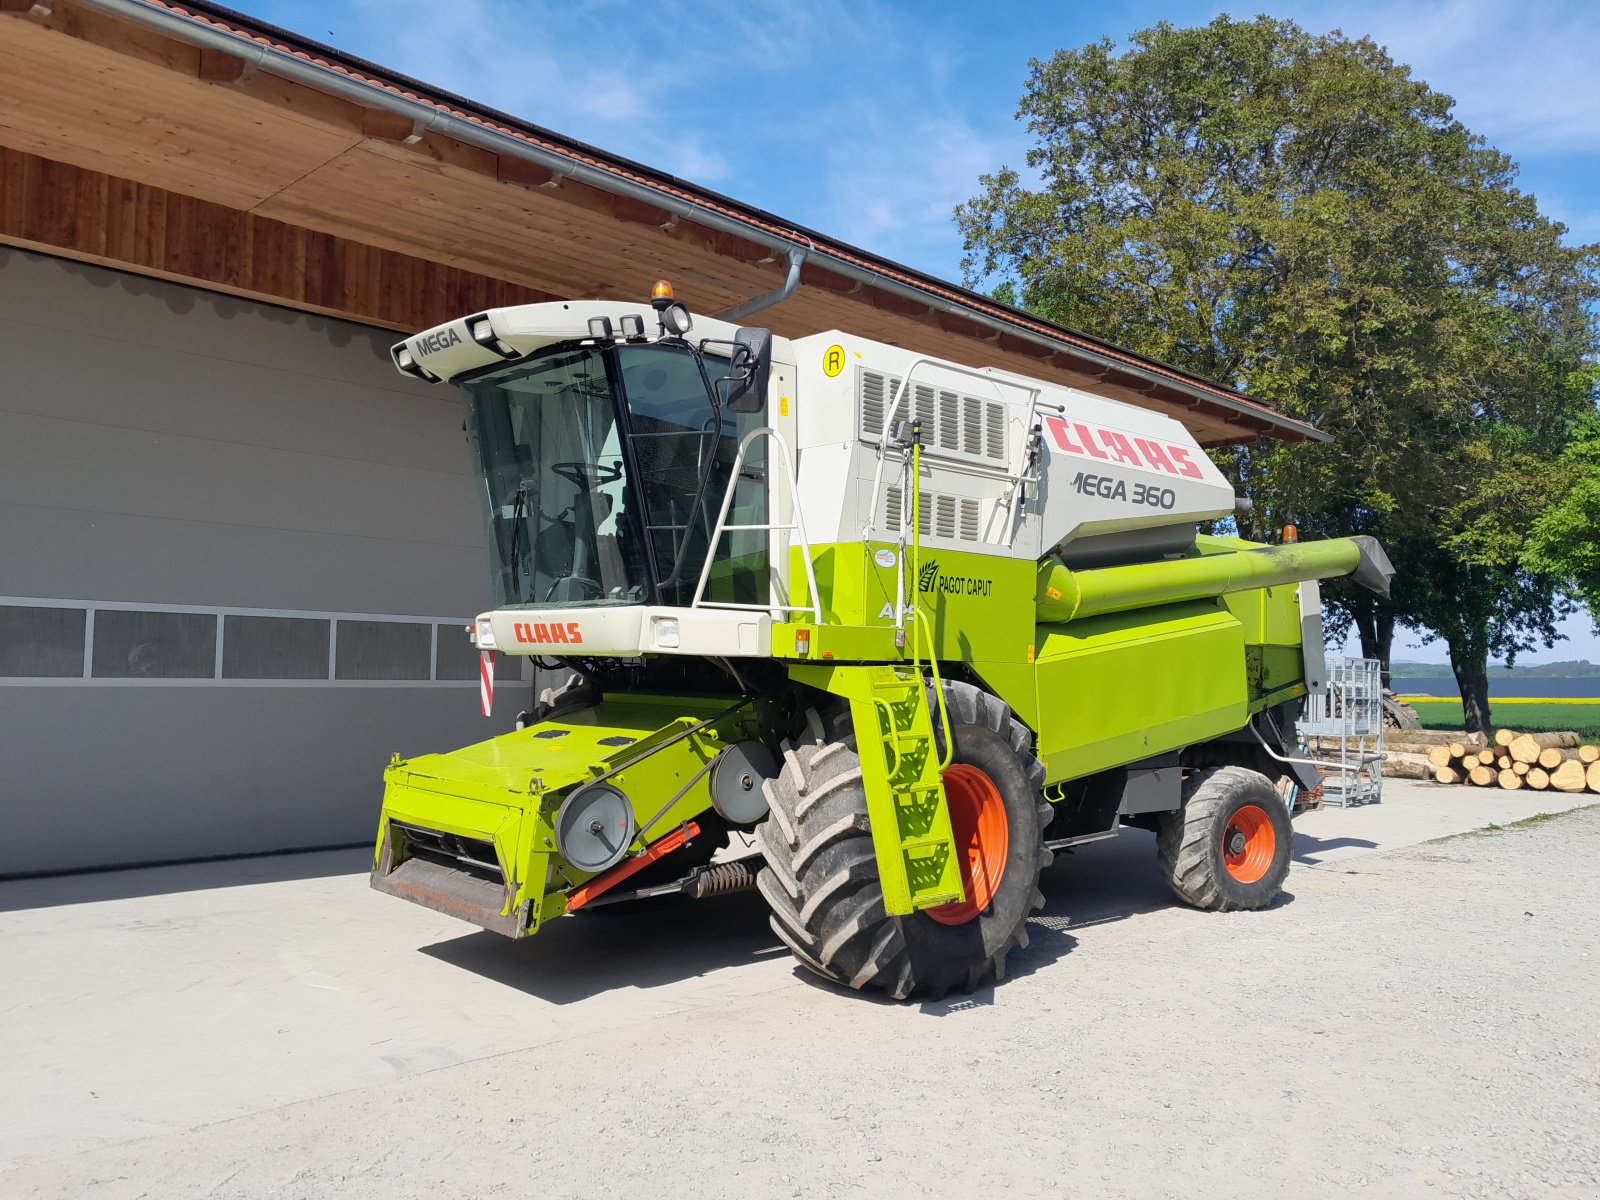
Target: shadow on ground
(673, 940)
(88, 887)
(627, 946)
(1115, 880)
(1308, 850)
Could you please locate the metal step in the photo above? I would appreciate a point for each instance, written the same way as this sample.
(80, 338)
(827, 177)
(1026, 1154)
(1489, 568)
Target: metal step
(452, 890)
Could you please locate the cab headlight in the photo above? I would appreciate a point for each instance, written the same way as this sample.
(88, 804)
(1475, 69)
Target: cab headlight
(483, 636)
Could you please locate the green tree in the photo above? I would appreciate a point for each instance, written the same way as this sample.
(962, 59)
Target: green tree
(1295, 215)
(1565, 539)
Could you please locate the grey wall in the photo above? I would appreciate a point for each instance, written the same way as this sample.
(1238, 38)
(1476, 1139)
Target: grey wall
(162, 445)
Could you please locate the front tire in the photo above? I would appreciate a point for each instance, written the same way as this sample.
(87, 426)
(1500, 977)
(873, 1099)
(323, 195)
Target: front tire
(821, 876)
(1228, 847)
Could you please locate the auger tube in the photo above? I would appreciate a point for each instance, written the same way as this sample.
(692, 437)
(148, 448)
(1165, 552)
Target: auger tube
(1066, 595)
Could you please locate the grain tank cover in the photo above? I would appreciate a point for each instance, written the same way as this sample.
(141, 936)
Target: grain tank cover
(1116, 476)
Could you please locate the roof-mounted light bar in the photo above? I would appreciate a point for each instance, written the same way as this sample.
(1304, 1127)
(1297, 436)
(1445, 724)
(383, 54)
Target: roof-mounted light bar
(403, 359)
(482, 331)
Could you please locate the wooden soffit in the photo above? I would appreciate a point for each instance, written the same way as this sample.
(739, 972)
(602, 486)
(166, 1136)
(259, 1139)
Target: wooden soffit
(137, 150)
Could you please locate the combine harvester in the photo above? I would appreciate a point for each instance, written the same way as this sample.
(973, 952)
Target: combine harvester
(914, 626)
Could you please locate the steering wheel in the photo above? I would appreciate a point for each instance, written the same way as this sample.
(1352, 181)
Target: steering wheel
(584, 475)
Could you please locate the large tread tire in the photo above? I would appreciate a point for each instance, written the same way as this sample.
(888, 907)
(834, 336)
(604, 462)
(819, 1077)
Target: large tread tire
(821, 873)
(1190, 841)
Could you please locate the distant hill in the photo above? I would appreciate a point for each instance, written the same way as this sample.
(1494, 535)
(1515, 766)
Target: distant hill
(1580, 669)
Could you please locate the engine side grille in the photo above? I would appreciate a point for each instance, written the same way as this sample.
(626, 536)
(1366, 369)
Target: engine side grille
(954, 517)
(952, 422)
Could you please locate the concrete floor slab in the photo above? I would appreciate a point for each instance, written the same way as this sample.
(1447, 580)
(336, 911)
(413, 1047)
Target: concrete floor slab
(143, 1003)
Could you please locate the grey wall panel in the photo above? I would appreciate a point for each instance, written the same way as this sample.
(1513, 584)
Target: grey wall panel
(94, 776)
(96, 468)
(163, 445)
(153, 313)
(72, 554)
(81, 377)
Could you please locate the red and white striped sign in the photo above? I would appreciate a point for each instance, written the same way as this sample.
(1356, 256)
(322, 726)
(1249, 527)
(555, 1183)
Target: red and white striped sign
(486, 679)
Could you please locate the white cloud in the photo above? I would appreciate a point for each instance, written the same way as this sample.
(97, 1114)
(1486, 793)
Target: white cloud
(566, 68)
(1523, 75)
(893, 184)
(841, 115)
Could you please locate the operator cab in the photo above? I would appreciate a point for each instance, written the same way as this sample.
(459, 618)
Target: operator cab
(604, 453)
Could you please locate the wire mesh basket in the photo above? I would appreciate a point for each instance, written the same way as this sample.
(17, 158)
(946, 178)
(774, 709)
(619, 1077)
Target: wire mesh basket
(1343, 727)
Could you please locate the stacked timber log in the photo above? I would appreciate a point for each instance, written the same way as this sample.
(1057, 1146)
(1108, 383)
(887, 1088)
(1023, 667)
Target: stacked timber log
(1511, 760)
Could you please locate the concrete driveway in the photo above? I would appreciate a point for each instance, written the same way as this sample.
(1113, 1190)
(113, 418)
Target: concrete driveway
(269, 1027)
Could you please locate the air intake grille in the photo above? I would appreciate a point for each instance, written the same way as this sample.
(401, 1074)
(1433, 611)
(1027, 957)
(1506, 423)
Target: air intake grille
(952, 422)
(953, 517)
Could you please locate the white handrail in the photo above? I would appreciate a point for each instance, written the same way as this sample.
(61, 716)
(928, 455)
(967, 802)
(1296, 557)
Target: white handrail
(904, 394)
(798, 525)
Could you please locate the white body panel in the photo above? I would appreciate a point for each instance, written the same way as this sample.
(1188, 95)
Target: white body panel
(449, 350)
(626, 631)
(1103, 467)
(1308, 596)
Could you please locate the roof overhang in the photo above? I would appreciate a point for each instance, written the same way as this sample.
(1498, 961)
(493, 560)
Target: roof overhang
(254, 142)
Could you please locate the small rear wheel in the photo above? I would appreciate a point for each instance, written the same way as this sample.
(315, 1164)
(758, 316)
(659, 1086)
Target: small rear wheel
(1228, 847)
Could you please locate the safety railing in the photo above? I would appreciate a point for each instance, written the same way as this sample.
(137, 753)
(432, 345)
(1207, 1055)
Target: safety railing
(796, 525)
(903, 396)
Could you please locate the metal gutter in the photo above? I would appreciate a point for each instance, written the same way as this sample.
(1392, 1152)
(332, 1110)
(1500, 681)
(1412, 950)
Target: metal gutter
(427, 116)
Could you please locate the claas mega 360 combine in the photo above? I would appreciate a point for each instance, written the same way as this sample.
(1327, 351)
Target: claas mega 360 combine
(912, 626)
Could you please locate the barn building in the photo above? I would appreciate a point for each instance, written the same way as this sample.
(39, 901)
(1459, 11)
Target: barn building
(237, 549)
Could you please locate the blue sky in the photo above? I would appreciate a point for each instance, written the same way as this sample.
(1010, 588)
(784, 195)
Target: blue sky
(871, 120)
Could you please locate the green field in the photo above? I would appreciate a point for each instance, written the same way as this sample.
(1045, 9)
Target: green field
(1525, 718)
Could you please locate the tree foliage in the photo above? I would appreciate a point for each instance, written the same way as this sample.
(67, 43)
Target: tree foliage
(1294, 215)
(1565, 539)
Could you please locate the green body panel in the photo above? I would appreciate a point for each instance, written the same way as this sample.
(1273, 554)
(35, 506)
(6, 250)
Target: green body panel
(1121, 687)
(507, 790)
(1276, 673)
(977, 605)
(1269, 616)
(843, 643)
(978, 610)
(909, 820)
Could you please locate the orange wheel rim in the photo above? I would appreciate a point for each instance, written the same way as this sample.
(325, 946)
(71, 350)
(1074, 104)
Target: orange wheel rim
(982, 838)
(1248, 844)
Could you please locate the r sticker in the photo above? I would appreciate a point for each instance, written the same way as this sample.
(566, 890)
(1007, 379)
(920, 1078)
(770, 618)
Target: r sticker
(833, 361)
(885, 558)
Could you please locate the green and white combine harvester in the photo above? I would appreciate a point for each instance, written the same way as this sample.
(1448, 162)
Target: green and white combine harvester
(912, 626)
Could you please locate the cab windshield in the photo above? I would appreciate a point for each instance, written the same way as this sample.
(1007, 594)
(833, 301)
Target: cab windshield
(603, 470)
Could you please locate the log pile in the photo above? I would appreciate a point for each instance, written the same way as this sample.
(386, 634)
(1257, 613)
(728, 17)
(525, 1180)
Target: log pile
(1512, 760)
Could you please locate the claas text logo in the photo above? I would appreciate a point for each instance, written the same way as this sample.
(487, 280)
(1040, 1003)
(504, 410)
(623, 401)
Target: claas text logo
(550, 634)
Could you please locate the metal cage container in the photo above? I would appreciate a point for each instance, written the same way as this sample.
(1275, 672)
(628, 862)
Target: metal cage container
(1343, 727)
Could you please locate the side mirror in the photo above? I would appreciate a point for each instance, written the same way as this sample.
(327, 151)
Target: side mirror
(751, 368)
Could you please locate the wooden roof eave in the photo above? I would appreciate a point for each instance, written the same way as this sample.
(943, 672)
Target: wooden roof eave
(411, 117)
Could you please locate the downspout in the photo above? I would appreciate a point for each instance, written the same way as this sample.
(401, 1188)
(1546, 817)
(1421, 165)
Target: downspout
(426, 117)
(778, 295)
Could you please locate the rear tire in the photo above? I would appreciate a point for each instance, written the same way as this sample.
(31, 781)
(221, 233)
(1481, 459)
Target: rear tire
(821, 876)
(1228, 847)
